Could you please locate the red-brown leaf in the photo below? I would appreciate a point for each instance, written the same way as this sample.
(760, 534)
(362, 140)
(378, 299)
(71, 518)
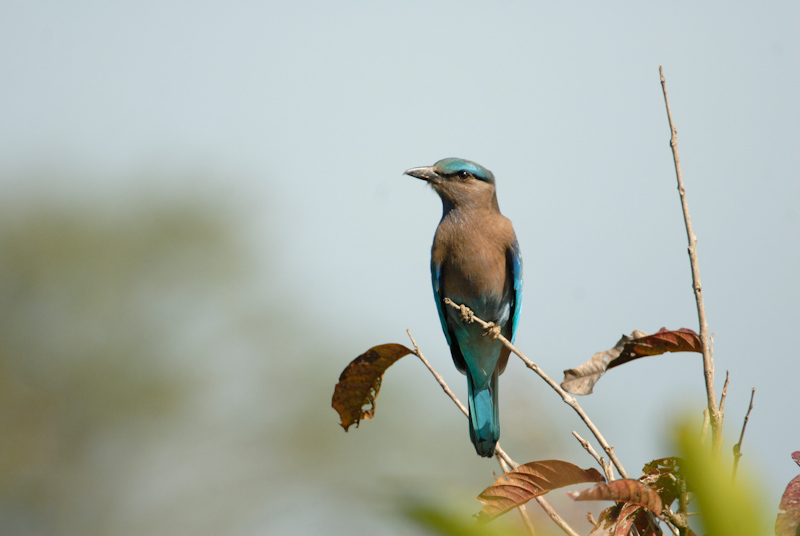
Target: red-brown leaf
(788, 521)
(581, 379)
(360, 382)
(661, 342)
(517, 487)
(631, 491)
(627, 516)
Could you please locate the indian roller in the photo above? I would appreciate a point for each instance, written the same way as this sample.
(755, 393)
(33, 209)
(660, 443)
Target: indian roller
(475, 261)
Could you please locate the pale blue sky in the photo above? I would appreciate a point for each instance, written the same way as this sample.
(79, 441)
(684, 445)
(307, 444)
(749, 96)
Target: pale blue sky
(314, 110)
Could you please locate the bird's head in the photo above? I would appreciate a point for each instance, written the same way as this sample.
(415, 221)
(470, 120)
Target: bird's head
(459, 182)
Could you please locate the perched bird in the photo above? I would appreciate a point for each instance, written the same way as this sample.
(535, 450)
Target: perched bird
(475, 261)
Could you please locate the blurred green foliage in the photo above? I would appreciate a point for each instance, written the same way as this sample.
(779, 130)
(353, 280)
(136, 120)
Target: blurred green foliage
(726, 506)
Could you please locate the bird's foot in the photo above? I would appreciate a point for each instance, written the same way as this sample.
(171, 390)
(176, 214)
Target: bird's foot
(467, 315)
(492, 330)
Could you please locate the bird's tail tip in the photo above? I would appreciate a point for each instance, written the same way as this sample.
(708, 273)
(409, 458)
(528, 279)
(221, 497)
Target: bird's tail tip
(484, 447)
(484, 423)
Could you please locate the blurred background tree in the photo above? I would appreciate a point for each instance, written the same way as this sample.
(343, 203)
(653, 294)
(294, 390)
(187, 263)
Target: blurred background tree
(103, 305)
(156, 378)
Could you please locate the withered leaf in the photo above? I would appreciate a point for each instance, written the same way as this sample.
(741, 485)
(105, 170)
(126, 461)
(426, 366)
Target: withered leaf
(788, 521)
(617, 520)
(663, 475)
(627, 490)
(627, 516)
(607, 521)
(522, 484)
(360, 382)
(581, 379)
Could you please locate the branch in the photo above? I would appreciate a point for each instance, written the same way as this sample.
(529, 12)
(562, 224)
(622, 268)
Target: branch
(708, 359)
(566, 397)
(506, 463)
(737, 448)
(586, 445)
(724, 392)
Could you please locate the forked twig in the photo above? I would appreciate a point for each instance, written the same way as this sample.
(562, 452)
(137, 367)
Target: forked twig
(609, 472)
(715, 416)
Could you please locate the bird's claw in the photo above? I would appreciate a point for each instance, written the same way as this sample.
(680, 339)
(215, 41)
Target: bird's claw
(467, 315)
(492, 330)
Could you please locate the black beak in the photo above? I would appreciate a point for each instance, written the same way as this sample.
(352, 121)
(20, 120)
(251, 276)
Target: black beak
(424, 173)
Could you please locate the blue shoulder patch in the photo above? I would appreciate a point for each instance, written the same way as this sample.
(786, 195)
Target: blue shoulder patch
(448, 166)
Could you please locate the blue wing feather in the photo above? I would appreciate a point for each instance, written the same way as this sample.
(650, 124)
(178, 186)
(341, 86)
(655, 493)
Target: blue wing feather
(452, 342)
(515, 261)
(436, 277)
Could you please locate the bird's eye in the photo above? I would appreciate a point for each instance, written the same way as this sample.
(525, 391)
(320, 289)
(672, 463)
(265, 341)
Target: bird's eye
(463, 174)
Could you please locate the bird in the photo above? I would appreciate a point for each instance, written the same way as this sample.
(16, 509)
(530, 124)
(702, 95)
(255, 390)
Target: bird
(475, 262)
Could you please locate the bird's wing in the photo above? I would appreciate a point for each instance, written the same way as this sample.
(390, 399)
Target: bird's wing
(452, 341)
(514, 265)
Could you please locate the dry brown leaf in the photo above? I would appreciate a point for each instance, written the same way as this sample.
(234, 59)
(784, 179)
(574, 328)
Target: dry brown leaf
(627, 490)
(517, 487)
(360, 382)
(581, 379)
(617, 520)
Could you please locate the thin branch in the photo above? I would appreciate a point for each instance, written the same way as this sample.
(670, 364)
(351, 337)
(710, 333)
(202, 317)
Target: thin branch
(503, 458)
(737, 448)
(708, 359)
(566, 397)
(724, 393)
(557, 519)
(436, 375)
(588, 446)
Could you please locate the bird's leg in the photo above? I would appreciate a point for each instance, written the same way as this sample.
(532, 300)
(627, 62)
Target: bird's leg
(492, 330)
(467, 315)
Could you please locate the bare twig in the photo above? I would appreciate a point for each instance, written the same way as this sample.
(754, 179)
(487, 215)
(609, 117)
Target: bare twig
(588, 446)
(436, 375)
(506, 463)
(557, 519)
(724, 393)
(566, 397)
(737, 448)
(708, 360)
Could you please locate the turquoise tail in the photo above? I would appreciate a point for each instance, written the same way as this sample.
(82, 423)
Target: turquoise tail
(484, 423)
